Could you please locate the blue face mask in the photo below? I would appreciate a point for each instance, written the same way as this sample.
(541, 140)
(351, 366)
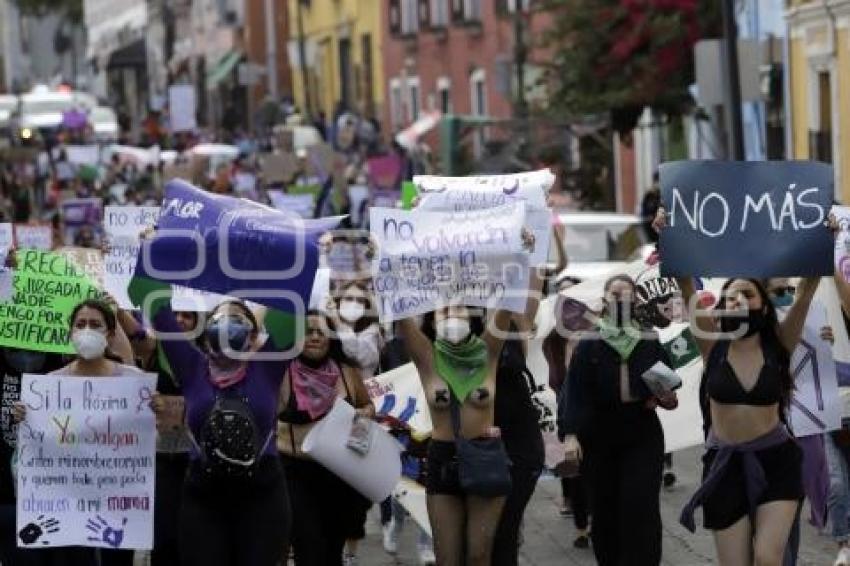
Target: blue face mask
(235, 330)
(784, 300)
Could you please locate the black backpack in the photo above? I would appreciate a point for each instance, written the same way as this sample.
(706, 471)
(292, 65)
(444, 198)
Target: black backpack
(230, 439)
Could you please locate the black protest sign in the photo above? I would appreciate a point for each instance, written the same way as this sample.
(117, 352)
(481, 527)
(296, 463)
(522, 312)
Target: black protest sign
(746, 219)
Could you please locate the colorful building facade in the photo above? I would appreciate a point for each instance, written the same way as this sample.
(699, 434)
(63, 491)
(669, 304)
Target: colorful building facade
(819, 85)
(335, 49)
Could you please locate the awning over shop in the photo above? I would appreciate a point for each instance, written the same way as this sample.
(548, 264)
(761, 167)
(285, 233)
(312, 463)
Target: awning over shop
(222, 68)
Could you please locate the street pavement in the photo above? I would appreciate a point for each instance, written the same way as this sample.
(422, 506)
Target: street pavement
(549, 537)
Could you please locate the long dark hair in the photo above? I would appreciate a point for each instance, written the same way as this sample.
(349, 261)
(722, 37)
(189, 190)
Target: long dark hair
(769, 335)
(203, 342)
(108, 317)
(335, 351)
(625, 279)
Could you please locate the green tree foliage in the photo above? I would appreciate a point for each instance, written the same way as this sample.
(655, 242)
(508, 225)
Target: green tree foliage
(70, 9)
(620, 56)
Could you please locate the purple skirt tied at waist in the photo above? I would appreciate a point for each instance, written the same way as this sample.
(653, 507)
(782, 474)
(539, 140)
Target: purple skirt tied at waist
(754, 477)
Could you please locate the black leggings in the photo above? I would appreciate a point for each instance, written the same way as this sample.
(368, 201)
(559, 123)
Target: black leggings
(624, 452)
(325, 510)
(506, 544)
(170, 475)
(575, 490)
(225, 523)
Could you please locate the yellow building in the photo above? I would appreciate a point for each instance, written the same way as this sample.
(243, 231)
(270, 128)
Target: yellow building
(819, 79)
(339, 42)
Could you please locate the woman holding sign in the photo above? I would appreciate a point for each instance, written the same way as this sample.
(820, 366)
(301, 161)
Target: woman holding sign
(235, 505)
(93, 326)
(327, 509)
(752, 478)
(609, 424)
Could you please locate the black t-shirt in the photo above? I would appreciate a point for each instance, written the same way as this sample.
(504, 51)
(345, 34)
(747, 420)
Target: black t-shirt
(14, 363)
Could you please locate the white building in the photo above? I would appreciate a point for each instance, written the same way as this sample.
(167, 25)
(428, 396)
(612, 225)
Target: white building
(29, 50)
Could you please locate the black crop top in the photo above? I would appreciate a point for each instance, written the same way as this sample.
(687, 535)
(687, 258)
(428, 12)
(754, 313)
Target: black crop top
(723, 386)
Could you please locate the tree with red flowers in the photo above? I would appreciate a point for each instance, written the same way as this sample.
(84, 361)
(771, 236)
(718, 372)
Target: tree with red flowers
(620, 56)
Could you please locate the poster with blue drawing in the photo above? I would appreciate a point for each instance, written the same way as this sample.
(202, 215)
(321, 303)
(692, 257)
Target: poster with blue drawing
(398, 393)
(85, 468)
(816, 405)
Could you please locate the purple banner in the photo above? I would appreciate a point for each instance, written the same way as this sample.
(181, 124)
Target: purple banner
(233, 246)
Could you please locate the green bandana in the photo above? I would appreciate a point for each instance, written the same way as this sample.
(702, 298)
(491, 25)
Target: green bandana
(462, 366)
(622, 339)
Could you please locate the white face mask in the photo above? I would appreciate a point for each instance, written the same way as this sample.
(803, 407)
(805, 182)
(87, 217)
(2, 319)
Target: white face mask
(351, 311)
(89, 344)
(453, 329)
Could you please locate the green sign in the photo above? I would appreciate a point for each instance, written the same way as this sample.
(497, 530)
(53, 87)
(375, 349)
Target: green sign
(682, 349)
(47, 288)
(408, 193)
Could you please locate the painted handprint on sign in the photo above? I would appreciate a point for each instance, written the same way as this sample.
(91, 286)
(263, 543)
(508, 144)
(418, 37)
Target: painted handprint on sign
(33, 532)
(103, 532)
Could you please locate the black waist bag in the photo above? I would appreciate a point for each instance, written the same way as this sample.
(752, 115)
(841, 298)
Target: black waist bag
(484, 468)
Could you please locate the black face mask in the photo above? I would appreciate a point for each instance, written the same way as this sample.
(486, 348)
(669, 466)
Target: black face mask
(754, 319)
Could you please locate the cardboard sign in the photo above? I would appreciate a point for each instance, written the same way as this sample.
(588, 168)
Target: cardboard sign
(279, 167)
(432, 259)
(34, 236)
(815, 406)
(47, 288)
(86, 456)
(398, 393)
(746, 219)
(124, 225)
(479, 193)
(182, 106)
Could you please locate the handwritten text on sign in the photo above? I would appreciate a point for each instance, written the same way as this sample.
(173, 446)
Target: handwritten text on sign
(47, 288)
(735, 219)
(86, 462)
(429, 259)
(124, 225)
(476, 193)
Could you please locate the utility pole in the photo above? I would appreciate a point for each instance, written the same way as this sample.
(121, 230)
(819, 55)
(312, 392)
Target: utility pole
(271, 50)
(734, 122)
(302, 60)
(520, 59)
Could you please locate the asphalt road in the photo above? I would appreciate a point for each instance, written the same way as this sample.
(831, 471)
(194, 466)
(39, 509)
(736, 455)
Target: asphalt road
(549, 537)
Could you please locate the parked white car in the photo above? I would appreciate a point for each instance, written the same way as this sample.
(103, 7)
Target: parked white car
(44, 110)
(599, 243)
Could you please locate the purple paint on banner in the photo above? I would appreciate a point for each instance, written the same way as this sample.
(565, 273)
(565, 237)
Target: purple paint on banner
(233, 246)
